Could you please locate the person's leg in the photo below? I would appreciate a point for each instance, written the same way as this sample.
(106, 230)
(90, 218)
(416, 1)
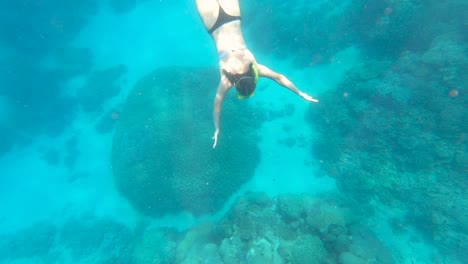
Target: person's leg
(208, 11)
(230, 6)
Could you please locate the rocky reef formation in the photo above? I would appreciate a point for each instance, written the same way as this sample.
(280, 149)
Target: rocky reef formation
(162, 154)
(37, 58)
(395, 132)
(258, 229)
(306, 32)
(312, 32)
(80, 239)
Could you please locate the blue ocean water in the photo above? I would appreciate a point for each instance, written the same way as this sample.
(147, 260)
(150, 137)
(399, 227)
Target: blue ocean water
(105, 143)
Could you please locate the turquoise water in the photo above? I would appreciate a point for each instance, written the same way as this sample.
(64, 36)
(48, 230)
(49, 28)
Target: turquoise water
(105, 149)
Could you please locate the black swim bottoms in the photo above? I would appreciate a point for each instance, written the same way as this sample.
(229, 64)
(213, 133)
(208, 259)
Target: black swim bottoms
(222, 19)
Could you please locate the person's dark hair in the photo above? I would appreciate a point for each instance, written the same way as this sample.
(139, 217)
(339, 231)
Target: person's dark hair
(245, 86)
(244, 83)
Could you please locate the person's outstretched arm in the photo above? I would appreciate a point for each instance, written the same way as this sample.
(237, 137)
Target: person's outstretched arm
(223, 87)
(264, 71)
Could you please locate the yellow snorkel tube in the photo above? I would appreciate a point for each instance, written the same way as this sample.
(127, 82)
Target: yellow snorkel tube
(255, 71)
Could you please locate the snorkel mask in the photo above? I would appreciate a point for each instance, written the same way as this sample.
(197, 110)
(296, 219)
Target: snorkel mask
(245, 83)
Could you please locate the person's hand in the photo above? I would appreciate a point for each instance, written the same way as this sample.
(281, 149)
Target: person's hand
(215, 138)
(307, 97)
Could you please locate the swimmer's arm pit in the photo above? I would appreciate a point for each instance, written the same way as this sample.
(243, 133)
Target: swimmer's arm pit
(264, 71)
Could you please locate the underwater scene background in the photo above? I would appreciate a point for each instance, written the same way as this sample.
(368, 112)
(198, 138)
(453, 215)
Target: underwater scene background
(106, 151)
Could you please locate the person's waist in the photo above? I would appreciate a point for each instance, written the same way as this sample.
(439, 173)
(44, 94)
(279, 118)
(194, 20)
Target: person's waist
(222, 54)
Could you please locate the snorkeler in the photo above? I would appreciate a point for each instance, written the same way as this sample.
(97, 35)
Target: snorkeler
(237, 64)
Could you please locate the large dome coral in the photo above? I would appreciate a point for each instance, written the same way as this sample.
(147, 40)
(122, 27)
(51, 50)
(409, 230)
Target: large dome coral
(162, 155)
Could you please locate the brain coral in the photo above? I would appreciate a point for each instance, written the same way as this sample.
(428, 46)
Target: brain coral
(309, 250)
(162, 155)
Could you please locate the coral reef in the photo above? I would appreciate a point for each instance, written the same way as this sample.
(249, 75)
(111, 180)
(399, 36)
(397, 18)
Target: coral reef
(279, 231)
(308, 250)
(35, 242)
(153, 245)
(311, 33)
(38, 103)
(396, 27)
(349, 258)
(36, 27)
(37, 61)
(81, 239)
(395, 132)
(162, 156)
(275, 237)
(300, 30)
(89, 238)
(193, 242)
